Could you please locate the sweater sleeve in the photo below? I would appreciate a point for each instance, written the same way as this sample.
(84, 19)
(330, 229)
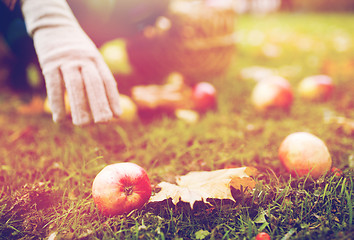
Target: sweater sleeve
(10, 3)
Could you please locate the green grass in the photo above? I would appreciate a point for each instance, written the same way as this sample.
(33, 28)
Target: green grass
(46, 169)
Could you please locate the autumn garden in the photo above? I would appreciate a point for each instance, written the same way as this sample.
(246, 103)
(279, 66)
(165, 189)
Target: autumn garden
(47, 169)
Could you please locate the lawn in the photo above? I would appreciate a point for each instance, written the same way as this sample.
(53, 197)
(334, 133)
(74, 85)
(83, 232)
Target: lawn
(47, 169)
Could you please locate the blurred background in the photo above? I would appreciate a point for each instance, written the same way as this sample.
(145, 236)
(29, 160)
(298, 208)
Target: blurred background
(151, 37)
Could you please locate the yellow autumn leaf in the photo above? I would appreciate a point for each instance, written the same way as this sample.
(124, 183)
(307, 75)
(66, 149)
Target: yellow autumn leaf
(202, 185)
(35, 106)
(241, 186)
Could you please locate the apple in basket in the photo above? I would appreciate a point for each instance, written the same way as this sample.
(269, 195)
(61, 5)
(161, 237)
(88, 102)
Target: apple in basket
(272, 92)
(120, 188)
(317, 87)
(204, 96)
(303, 153)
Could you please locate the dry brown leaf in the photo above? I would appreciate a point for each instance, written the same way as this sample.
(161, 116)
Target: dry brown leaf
(345, 124)
(251, 171)
(242, 183)
(202, 185)
(34, 107)
(172, 95)
(28, 131)
(240, 186)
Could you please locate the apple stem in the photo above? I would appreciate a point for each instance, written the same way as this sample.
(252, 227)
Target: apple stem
(128, 190)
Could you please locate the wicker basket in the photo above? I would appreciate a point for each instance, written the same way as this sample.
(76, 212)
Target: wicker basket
(198, 43)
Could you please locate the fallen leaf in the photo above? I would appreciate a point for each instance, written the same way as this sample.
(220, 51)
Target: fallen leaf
(346, 125)
(240, 186)
(36, 106)
(172, 95)
(202, 234)
(53, 236)
(39, 195)
(261, 217)
(203, 185)
(21, 133)
(242, 183)
(176, 193)
(251, 171)
(189, 116)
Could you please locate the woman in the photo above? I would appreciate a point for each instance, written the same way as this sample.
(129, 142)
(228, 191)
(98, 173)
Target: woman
(69, 59)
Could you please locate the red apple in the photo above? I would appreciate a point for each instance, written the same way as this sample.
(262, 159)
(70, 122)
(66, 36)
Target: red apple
(204, 96)
(262, 236)
(272, 92)
(302, 153)
(318, 87)
(120, 188)
(336, 171)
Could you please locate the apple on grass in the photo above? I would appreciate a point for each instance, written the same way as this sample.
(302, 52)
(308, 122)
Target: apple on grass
(336, 171)
(272, 92)
(120, 188)
(303, 153)
(203, 96)
(115, 55)
(262, 236)
(317, 87)
(129, 109)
